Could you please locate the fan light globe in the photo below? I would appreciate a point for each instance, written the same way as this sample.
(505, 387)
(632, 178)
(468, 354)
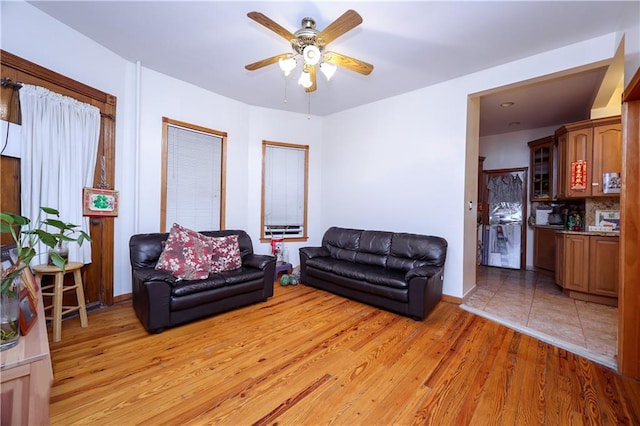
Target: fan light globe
(328, 69)
(287, 65)
(311, 55)
(305, 79)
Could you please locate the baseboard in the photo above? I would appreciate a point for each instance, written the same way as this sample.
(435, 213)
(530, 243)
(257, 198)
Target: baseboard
(452, 299)
(122, 298)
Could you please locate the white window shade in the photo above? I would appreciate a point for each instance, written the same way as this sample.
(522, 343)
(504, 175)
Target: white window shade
(284, 198)
(194, 179)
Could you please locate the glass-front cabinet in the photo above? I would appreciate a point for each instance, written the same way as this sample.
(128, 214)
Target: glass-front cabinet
(541, 169)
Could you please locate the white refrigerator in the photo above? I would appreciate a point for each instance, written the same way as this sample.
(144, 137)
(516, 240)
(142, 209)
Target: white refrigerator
(503, 234)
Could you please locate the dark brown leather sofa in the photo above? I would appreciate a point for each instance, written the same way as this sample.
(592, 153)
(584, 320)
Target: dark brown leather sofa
(160, 300)
(399, 272)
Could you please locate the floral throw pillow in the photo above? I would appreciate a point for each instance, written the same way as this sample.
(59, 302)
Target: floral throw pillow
(225, 254)
(186, 254)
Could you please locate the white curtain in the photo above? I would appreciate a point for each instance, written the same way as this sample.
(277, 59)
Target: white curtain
(59, 146)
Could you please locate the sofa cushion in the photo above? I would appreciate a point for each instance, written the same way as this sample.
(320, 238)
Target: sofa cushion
(372, 274)
(374, 246)
(401, 295)
(186, 254)
(342, 243)
(225, 253)
(185, 287)
(410, 251)
(222, 279)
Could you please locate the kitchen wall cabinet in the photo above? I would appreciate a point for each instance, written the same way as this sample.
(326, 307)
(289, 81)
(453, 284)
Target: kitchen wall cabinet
(544, 249)
(541, 169)
(598, 143)
(587, 266)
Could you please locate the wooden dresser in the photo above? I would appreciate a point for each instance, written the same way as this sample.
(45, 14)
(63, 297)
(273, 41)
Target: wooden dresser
(26, 376)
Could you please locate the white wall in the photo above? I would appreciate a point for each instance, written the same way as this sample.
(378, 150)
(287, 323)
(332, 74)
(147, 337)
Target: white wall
(160, 96)
(510, 150)
(33, 35)
(397, 164)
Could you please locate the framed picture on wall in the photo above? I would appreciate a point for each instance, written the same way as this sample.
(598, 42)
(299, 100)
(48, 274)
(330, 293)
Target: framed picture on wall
(99, 202)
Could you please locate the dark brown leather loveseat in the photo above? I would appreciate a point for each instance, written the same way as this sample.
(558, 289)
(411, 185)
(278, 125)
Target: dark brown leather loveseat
(399, 272)
(160, 300)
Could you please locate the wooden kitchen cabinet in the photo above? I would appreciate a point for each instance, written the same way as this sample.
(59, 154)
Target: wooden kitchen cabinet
(607, 156)
(576, 262)
(544, 249)
(603, 265)
(560, 259)
(587, 267)
(598, 143)
(541, 166)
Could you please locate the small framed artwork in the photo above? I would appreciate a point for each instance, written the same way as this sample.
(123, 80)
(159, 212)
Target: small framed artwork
(99, 202)
(30, 283)
(611, 183)
(28, 313)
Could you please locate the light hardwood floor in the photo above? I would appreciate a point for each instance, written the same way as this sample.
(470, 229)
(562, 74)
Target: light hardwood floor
(309, 357)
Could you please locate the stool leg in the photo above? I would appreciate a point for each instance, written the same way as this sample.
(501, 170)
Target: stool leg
(77, 277)
(57, 307)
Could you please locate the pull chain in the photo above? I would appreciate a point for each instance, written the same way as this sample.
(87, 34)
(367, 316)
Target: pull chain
(286, 80)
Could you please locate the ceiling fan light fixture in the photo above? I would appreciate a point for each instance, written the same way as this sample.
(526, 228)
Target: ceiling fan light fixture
(305, 79)
(311, 54)
(287, 65)
(328, 70)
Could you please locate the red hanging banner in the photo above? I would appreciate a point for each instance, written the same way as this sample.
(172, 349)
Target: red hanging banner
(579, 175)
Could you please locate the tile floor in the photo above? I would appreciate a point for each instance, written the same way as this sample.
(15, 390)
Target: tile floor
(535, 305)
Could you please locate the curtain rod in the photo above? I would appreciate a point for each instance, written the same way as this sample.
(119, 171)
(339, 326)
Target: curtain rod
(6, 82)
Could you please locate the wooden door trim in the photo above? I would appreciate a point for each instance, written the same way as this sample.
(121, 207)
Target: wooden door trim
(628, 284)
(24, 71)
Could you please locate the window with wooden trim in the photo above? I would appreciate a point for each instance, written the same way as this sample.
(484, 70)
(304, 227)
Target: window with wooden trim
(193, 176)
(285, 169)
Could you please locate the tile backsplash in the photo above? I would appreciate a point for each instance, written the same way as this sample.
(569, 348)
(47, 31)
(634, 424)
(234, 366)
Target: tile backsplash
(593, 204)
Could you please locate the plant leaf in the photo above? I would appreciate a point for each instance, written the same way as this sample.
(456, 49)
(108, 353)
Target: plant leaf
(57, 260)
(49, 210)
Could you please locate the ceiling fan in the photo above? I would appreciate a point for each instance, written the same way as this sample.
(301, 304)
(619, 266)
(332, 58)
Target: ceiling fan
(310, 44)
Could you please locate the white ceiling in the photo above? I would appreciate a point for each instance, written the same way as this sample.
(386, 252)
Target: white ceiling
(411, 45)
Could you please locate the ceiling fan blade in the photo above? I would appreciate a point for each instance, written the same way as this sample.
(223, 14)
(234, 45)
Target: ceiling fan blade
(270, 24)
(349, 20)
(349, 63)
(263, 63)
(313, 87)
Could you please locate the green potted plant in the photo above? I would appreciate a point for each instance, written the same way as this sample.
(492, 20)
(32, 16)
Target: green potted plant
(26, 240)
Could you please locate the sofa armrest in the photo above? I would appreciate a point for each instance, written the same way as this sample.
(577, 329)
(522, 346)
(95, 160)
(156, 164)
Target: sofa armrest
(152, 298)
(425, 289)
(311, 252)
(143, 275)
(259, 261)
(423, 271)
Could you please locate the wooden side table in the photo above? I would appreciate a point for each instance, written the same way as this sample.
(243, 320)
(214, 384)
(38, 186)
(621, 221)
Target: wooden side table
(26, 376)
(56, 291)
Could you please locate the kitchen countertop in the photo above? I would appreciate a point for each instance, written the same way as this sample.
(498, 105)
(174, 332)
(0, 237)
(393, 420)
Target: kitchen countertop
(596, 233)
(560, 229)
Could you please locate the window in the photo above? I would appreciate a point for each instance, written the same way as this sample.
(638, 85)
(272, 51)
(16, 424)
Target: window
(284, 191)
(193, 176)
